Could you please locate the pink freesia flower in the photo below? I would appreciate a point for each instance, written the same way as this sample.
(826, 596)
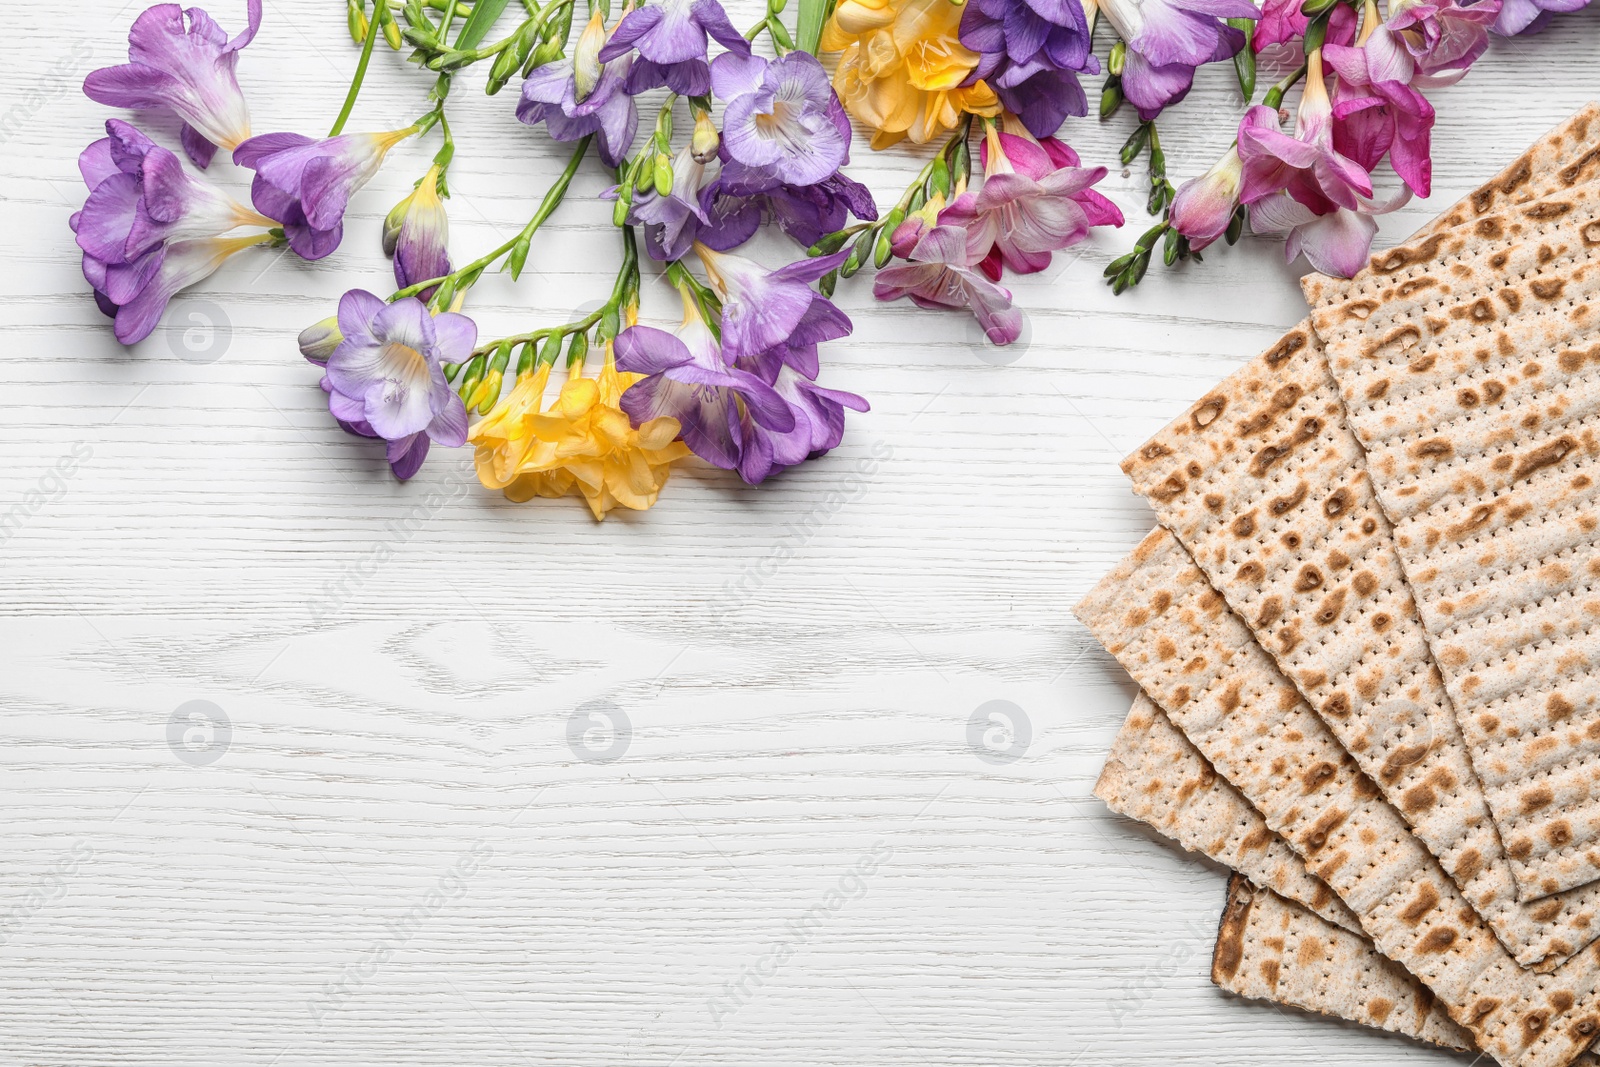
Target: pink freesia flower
(1336, 242)
(186, 67)
(1307, 165)
(1281, 21)
(1032, 203)
(1205, 205)
(939, 274)
(1375, 112)
(1442, 38)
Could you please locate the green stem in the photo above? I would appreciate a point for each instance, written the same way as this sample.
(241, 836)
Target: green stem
(547, 207)
(449, 17)
(1274, 96)
(627, 281)
(361, 69)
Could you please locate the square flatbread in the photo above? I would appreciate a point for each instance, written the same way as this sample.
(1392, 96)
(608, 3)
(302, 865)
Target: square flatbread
(1469, 365)
(1196, 659)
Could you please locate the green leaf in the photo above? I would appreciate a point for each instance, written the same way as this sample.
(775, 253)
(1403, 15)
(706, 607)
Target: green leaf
(808, 24)
(480, 22)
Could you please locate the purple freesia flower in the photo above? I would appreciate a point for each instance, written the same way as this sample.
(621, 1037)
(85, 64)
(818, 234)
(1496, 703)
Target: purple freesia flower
(939, 275)
(416, 233)
(1031, 54)
(818, 415)
(1376, 113)
(1441, 38)
(552, 94)
(306, 185)
(184, 68)
(1028, 206)
(1335, 242)
(1531, 16)
(782, 120)
(671, 38)
(689, 380)
(385, 378)
(763, 310)
(1308, 165)
(1167, 40)
(1204, 206)
(672, 222)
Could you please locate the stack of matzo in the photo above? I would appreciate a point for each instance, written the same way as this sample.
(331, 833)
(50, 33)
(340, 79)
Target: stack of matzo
(1367, 632)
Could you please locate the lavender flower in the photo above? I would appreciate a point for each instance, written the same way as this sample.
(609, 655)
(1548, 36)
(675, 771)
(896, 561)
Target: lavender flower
(804, 212)
(1204, 206)
(136, 294)
(940, 275)
(818, 415)
(1336, 242)
(782, 121)
(671, 38)
(573, 107)
(306, 185)
(186, 69)
(416, 233)
(672, 222)
(763, 310)
(385, 378)
(1032, 53)
(1531, 16)
(1167, 40)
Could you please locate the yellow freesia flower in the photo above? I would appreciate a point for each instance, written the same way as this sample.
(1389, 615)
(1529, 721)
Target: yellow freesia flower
(583, 444)
(903, 66)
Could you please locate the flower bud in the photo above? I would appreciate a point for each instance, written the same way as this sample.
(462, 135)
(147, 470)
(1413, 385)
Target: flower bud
(1205, 205)
(704, 143)
(318, 341)
(586, 57)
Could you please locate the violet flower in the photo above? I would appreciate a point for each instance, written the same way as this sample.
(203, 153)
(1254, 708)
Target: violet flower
(1376, 113)
(1167, 39)
(939, 275)
(671, 38)
(1031, 55)
(185, 69)
(1442, 37)
(1307, 164)
(782, 120)
(1028, 206)
(1204, 206)
(673, 222)
(1531, 16)
(416, 233)
(818, 427)
(137, 296)
(1335, 242)
(763, 310)
(385, 378)
(573, 107)
(306, 185)
(689, 380)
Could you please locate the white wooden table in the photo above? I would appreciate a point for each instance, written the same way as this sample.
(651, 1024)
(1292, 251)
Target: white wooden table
(417, 842)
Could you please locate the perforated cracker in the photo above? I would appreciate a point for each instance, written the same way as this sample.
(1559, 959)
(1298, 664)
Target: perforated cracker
(1196, 659)
(1470, 368)
(1270, 948)
(1155, 775)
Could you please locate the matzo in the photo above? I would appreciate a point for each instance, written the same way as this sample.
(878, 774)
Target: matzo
(1196, 659)
(1155, 775)
(1467, 363)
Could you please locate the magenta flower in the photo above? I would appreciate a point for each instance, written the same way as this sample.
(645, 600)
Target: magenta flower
(1167, 39)
(671, 38)
(818, 415)
(1307, 164)
(940, 275)
(187, 69)
(1204, 206)
(581, 97)
(782, 120)
(306, 185)
(1335, 242)
(1028, 207)
(1281, 21)
(1376, 113)
(763, 310)
(385, 378)
(689, 379)
(1442, 39)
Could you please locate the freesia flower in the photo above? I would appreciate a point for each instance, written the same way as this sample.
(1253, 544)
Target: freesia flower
(1442, 37)
(385, 378)
(818, 427)
(1028, 206)
(1204, 206)
(763, 309)
(1281, 21)
(306, 185)
(804, 212)
(1335, 242)
(1307, 164)
(1167, 39)
(904, 69)
(939, 274)
(552, 95)
(582, 444)
(1531, 16)
(1376, 113)
(672, 222)
(416, 234)
(782, 121)
(671, 37)
(186, 68)
(138, 299)
(1032, 53)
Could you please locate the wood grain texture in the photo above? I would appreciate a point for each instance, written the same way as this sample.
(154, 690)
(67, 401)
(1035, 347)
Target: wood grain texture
(272, 907)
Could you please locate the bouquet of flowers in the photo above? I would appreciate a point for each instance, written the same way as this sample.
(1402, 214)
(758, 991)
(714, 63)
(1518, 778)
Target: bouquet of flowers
(744, 130)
